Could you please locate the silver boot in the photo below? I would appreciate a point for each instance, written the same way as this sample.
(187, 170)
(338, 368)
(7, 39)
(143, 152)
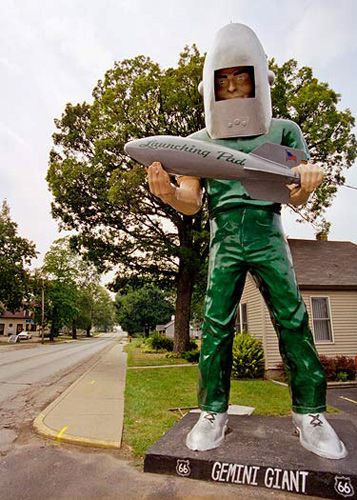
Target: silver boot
(317, 436)
(208, 432)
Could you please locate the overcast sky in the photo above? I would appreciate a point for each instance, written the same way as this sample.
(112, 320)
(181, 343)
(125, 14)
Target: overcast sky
(53, 52)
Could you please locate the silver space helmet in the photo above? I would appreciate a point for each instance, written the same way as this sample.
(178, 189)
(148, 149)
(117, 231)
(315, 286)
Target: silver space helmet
(236, 45)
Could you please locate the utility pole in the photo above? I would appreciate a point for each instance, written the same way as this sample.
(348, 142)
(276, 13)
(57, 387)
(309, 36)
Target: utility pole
(42, 312)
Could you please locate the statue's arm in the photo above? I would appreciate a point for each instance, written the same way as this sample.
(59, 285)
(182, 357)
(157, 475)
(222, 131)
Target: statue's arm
(185, 198)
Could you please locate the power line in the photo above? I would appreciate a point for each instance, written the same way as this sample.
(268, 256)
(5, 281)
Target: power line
(297, 211)
(348, 186)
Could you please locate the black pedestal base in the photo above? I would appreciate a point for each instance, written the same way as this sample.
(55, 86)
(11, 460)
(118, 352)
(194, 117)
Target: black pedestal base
(260, 451)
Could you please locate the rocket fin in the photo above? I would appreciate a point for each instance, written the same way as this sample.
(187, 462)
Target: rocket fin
(284, 155)
(267, 190)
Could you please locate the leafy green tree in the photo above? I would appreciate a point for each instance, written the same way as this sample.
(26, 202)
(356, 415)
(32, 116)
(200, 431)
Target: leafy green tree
(104, 311)
(85, 303)
(142, 309)
(16, 254)
(102, 194)
(71, 286)
(57, 298)
(76, 299)
(63, 309)
(313, 105)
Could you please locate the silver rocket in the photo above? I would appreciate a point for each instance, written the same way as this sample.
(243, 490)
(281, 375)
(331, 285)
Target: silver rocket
(264, 173)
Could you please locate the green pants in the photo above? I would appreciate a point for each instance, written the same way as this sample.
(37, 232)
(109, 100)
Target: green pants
(250, 239)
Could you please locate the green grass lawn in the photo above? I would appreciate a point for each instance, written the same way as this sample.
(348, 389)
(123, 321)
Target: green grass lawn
(138, 358)
(151, 393)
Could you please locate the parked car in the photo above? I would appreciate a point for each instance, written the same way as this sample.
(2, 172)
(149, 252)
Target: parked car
(13, 339)
(24, 336)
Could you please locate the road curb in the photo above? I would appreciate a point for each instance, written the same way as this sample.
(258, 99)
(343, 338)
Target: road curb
(330, 385)
(61, 436)
(342, 385)
(42, 429)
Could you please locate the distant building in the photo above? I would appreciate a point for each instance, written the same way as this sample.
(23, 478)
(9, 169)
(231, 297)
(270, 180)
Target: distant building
(326, 272)
(13, 323)
(169, 330)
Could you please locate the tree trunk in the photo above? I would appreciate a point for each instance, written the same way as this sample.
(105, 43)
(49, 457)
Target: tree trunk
(185, 280)
(54, 329)
(146, 330)
(88, 329)
(74, 331)
(52, 333)
(183, 309)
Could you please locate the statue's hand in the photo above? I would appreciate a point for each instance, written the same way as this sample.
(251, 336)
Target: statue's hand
(159, 183)
(311, 177)
(186, 198)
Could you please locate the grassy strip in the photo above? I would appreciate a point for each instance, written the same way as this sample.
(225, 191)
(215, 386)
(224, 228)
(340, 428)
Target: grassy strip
(138, 358)
(150, 393)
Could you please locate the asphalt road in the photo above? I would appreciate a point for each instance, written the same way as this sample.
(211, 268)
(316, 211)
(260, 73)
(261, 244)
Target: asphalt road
(344, 400)
(26, 366)
(33, 468)
(31, 376)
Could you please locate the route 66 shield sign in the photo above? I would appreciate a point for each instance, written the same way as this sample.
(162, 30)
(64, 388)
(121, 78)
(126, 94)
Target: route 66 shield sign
(183, 468)
(343, 486)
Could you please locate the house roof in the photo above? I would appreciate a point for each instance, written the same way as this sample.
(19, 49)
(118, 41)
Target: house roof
(325, 264)
(166, 325)
(15, 315)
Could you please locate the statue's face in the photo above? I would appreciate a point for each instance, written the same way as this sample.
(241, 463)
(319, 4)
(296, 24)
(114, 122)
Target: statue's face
(233, 83)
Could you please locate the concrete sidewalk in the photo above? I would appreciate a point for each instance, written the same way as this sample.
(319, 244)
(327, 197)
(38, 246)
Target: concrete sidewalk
(91, 411)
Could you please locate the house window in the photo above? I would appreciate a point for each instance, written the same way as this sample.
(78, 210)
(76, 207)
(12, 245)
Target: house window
(321, 319)
(242, 318)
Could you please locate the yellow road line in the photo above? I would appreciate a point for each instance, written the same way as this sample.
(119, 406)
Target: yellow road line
(348, 399)
(62, 431)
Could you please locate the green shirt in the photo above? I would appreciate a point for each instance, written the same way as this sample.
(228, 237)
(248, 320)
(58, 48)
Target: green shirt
(225, 194)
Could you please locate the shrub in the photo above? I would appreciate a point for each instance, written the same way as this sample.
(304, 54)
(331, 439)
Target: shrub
(334, 366)
(192, 356)
(248, 357)
(338, 368)
(138, 335)
(342, 376)
(346, 365)
(192, 345)
(329, 367)
(158, 342)
(138, 341)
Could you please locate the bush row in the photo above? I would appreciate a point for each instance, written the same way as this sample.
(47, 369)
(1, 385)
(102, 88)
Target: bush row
(248, 358)
(158, 342)
(337, 368)
(248, 353)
